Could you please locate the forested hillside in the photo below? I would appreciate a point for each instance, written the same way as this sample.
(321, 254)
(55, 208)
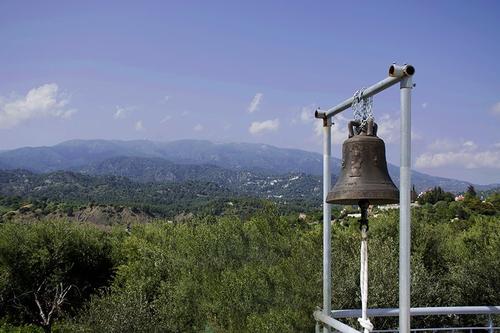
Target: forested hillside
(227, 164)
(165, 199)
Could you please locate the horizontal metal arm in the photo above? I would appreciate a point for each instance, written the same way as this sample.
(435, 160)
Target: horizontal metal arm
(396, 74)
(425, 311)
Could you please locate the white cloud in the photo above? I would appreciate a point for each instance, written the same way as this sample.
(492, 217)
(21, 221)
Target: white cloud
(267, 125)
(165, 99)
(254, 104)
(443, 145)
(424, 105)
(495, 109)
(470, 160)
(198, 128)
(388, 128)
(68, 114)
(139, 126)
(306, 114)
(165, 119)
(339, 129)
(40, 102)
(121, 112)
(466, 154)
(469, 145)
(318, 127)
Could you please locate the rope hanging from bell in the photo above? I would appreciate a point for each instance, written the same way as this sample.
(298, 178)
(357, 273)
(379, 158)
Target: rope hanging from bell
(363, 273)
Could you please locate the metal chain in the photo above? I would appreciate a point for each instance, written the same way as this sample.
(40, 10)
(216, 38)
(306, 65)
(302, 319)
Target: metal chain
(362, 107)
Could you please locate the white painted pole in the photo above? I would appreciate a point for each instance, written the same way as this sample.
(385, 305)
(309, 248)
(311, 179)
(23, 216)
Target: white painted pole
(404, 204)
(327, 218)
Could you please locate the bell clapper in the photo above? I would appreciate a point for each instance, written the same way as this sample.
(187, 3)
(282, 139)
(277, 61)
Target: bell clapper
(363, 221)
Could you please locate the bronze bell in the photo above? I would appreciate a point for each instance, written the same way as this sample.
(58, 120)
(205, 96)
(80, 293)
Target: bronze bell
(364, 176)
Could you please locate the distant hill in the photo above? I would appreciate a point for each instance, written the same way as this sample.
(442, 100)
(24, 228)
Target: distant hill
(76, 188)
(234, 156)
(221, 163)
(166, 198)
(155, 169)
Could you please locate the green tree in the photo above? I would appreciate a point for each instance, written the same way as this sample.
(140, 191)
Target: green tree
(494, 199)
(49, 269)
(435, 195)
(471, 191)
(479, 207)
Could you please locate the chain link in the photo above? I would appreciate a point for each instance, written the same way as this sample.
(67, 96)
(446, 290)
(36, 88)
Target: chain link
(362, 107)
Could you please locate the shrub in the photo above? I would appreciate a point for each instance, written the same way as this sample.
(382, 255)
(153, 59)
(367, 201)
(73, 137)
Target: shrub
(48, 269)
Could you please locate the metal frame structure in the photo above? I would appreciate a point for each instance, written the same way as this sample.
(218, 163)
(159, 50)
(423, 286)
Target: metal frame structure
(397, 74)
(424, 311)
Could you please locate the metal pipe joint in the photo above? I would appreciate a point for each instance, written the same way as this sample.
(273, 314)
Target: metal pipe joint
(401, 71)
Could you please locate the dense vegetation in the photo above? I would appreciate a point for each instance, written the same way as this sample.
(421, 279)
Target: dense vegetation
(163, 199)
(234, 274)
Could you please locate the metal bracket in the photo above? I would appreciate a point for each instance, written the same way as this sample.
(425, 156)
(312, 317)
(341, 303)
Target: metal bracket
(406, 82)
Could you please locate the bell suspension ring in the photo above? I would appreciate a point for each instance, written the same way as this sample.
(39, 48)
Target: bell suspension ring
(362, 108)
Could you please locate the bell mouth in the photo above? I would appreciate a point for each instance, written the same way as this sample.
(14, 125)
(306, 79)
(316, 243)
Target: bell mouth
(384, 197)
(353, 202)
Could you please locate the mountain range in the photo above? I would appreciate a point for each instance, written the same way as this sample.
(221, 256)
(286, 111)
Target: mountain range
(229, 164)
(233, 156)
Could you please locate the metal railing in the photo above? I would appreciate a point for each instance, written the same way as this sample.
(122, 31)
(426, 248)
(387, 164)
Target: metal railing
(489, 311)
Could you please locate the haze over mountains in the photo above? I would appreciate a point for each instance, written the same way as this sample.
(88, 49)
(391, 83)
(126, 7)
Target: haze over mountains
(227, 164)
(233, 156)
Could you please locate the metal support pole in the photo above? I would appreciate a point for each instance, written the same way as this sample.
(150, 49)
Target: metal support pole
(327, 220)
(404, 204)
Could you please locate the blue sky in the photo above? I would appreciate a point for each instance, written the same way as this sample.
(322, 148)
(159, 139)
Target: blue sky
(252, 71)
